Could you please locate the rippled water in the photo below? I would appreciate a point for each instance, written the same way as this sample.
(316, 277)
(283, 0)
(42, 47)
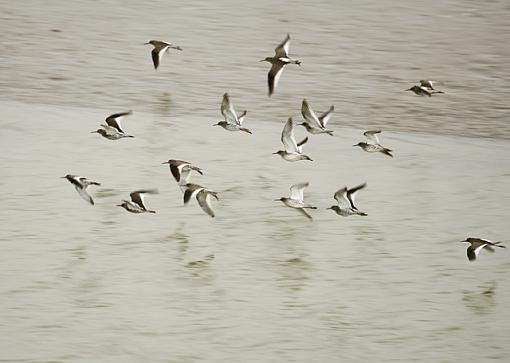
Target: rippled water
(81, 283)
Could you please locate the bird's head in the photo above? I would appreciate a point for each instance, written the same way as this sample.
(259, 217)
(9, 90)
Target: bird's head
(220, 123)
(282, 199)
(361, 144)
(153, 42)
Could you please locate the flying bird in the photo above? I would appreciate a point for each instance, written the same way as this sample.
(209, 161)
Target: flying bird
(279, 61)
(81, 184)
(345, 201)
(233, 121)
(112, 130)
(315, 124)
(293, 150)
(160, 48)
(202, 195)
(136, 204)
(181, 170)
(477, 244)
(373, 145)
(296, 199)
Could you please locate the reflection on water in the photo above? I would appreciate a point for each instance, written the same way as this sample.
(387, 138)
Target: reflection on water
(481, 301)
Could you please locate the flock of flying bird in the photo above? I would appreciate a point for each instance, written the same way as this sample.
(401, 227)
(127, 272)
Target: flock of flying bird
(293, 150)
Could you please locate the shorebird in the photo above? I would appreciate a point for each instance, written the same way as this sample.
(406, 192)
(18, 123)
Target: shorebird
(279, 61)
(293, 150)
(296, 199)
(345, 199)
(203, 196)
(314, 124)
(423, 91)
(373, 146)
(113, 130)
(181, 170)
(81, 185)
(136, 204)
(233, 121)
(477, 244)
(160, 48)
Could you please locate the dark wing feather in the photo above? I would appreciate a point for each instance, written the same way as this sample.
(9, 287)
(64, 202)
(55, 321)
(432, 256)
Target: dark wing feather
(471, 253)
(350, 194)
(155, 57)
(175, 172)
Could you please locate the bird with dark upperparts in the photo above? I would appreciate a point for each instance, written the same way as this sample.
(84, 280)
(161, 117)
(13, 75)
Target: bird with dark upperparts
(112, 130)
(477, 244)
(160, 48)
(136, 204)
(181, 171)
(81, 184)
(202, 195)
(345, 201)
(233, 121)
(278, 62)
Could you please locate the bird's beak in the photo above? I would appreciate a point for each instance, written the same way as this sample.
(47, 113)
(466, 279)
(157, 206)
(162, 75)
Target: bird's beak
(329, 208)
(277, 200)
(62, 177)
(355, 145)
(166, 162)
(275, 153)
(409, 89)
(215, 124)
(94, 132)
(262, 60)
(146, 43)
(118, 205)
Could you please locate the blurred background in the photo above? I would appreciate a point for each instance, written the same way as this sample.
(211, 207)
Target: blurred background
(81, 283)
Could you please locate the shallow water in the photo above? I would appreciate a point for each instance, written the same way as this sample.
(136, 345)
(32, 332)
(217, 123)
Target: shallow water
(81, 283)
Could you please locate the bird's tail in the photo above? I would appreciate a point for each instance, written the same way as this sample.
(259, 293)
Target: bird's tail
(329, 132)
(498, 244)
(245, 130)
(387, 152)
(197, 169)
